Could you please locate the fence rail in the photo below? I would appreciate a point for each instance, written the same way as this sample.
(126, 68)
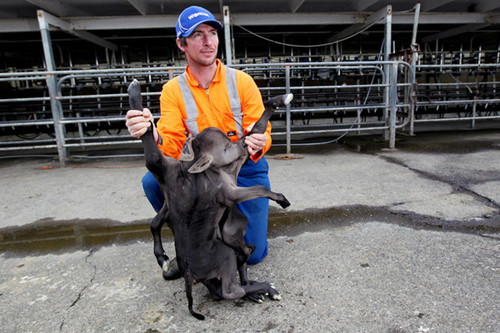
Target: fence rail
(87, 107)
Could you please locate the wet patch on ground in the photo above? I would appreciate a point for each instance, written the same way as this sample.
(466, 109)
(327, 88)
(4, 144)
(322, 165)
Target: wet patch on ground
(49, 236)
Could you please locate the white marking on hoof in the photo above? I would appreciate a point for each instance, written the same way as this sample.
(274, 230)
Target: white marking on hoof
(166, 266)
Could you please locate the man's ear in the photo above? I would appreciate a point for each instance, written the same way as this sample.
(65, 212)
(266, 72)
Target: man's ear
(201, 164)
(179, 45)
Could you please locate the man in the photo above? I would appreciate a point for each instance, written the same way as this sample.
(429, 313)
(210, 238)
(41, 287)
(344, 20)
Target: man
(209, 94)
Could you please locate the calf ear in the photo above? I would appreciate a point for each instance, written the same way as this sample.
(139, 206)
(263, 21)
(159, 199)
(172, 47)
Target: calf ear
(187, 151)
(201, 164)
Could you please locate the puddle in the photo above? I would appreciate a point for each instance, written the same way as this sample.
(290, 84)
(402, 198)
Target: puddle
(61, 236)
(72, 235)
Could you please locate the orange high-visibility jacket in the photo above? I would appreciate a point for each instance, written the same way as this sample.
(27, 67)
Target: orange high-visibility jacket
(214, 109)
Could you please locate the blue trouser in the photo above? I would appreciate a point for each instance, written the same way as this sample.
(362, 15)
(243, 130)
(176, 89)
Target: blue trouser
(255, 210)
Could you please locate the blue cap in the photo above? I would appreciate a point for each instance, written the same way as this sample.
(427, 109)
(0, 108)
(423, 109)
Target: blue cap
(192, 17)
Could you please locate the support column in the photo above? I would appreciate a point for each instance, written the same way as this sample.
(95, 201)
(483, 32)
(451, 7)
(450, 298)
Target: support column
(393, 100)
(288, 115)
(52, 87)
(227, 36)
(413, 77)
(387, 67)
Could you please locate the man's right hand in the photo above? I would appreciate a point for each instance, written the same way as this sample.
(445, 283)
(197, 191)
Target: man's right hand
(138, 122)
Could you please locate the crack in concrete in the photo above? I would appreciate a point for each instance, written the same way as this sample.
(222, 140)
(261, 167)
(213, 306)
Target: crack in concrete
(456, 187)
(85, 287)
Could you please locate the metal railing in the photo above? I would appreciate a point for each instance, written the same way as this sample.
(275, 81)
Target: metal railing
(89, 106)
(466, 92)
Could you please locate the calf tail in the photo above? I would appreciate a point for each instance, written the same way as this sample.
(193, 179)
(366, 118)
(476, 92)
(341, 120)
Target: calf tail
(188, 277)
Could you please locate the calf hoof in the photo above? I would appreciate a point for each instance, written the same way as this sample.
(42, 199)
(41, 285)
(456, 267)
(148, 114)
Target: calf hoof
(266, 289)
(274, 295)
(256, 298)
(284, 203)
(171, 271)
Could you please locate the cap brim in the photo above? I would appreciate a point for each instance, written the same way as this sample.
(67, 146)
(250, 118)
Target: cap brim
(214, 23)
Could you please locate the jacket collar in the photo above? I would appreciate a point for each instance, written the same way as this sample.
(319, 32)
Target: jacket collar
(218, 74)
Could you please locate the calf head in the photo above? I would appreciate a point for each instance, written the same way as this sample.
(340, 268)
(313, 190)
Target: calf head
(213, 148)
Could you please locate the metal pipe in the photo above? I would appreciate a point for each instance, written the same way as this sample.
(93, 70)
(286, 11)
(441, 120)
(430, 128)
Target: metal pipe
(288, 116)
(51, 84)
(393, 95)
(279, 72)
(227, 36)
(387, 67)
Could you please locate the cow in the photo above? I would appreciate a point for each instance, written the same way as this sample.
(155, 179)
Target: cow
(200, 208)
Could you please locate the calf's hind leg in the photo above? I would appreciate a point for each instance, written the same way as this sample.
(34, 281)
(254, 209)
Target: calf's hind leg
(233, 233)
(156, 226)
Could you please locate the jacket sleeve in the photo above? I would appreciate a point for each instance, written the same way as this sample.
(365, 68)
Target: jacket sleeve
(171, 126)
(252, 108)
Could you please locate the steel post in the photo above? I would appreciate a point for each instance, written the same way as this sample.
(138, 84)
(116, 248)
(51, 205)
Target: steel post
(52, 87)
(227, 36)
(288, 113)
(393, 100)
(387, 67)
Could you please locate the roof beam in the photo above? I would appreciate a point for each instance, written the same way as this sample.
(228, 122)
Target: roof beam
(428, 5)
(362, 5)
(18, 25)
(249, 19)
(370, 20)
(295, 5)
(491, 19)
(56, 22)
(58, 7)
(487, 6)
(140, 6)
(454, 32)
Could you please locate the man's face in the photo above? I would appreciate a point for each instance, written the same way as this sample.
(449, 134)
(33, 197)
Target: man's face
(201, 46)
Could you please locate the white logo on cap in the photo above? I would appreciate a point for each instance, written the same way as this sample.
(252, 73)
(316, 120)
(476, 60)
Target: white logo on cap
(192, 16)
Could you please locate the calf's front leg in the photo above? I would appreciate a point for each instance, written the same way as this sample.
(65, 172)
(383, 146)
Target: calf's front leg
(240, 194)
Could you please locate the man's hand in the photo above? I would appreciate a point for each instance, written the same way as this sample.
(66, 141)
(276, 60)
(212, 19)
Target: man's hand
(138, 123)
(255, 142)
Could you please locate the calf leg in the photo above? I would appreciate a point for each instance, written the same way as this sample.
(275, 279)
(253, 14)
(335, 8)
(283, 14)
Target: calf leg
(239, 194)
(255, 289)
(156, 226)
(233, 233)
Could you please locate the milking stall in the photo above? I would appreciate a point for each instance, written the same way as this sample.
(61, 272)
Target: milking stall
(355, 67)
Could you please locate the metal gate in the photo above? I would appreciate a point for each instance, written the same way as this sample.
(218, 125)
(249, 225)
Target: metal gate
(89, 106)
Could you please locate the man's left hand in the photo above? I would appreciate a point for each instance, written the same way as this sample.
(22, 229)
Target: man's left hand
(255, 142)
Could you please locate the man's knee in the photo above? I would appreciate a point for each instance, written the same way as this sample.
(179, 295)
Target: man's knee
(258, 254)
(153, 191)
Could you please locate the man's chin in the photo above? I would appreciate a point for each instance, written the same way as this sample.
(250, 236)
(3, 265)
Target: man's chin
(207, 61)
